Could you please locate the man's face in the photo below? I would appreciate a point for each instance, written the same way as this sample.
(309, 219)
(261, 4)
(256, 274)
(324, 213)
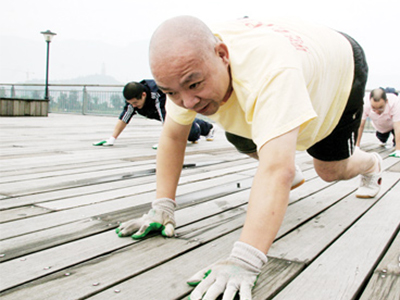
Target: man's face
(378, 107)
(195, 83)
(138, 103)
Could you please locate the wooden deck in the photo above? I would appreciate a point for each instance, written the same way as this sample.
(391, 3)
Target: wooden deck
(61, 199)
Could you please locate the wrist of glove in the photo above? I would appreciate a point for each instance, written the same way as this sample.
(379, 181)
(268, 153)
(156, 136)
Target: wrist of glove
(395, 154)
(239, 272)
(159, 218)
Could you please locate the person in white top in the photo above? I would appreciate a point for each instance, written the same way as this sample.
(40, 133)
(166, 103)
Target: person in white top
(383, 109)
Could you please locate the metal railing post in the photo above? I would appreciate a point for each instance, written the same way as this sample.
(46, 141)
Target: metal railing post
(84, 100)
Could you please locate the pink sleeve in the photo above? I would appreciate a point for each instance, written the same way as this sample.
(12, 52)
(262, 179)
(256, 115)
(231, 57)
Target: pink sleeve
(396, 110)
(366, 112)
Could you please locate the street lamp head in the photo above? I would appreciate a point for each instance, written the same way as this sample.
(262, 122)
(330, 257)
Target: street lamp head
(48, 35)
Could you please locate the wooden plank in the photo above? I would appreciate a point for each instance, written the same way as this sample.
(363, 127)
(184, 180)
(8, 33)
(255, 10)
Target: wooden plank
(55, 235)
(129, 191)
(385, 282)
(209, 217)
(198, 233)
(188, 176)
(42, 239)
(171, 277)
(76, 170)
(72, 202)
(21, 213)
(187, 216)
(310, 240)
(41, 197)
(79, 179)
(343, 267)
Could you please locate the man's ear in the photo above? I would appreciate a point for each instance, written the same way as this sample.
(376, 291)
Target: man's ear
(221, 50)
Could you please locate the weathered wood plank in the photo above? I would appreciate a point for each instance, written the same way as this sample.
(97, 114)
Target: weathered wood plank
(78, 239)
(182, 215)
(129, 191)
(385, 282)
(188, 175)
(21, 213)
(342, 268)
(189, 217)
(79, 179)
(192, 236)
(308, 241)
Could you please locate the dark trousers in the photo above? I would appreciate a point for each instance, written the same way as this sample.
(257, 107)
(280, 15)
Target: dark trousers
(199, 127)
(383, 137)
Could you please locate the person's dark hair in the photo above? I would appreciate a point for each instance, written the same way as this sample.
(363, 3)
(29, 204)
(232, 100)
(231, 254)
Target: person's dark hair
(133, 90)
(377, 95)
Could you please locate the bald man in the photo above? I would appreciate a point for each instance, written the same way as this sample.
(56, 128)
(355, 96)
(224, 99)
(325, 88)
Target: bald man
(384, 111)
(275, 86)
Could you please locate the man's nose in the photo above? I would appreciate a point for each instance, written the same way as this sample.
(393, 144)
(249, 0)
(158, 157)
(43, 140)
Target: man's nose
(189, 100)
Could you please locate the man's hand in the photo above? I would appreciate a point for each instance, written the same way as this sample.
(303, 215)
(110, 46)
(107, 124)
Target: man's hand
(159, 218)
(237, 273)
(395, 154)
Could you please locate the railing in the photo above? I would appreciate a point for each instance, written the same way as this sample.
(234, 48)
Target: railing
(71, 98)
(98, 99)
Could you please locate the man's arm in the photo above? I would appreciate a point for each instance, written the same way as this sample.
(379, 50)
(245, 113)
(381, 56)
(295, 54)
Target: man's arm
(119, 127)
(360, 132)
(267, 206)
(170, 156)
(270, 191)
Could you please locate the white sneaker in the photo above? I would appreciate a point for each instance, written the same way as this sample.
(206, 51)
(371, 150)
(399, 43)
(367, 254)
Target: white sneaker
(109, 142)
(100, 143)
(371, 183)
(210, 135)
(298, 178)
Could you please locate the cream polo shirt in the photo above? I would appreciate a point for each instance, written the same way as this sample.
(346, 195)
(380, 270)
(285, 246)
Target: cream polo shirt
(285, 74)
(384, 122)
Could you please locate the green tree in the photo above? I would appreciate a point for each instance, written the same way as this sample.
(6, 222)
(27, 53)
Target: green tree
(116, 101)
(62, 101)
(73, 101)
(35, 94)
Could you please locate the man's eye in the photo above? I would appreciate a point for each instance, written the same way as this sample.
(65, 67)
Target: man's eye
(172, 95)
(194, 85)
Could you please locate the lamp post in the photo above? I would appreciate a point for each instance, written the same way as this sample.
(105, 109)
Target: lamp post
(48, 36)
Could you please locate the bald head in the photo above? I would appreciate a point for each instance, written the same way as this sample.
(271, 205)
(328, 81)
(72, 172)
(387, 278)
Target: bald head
(190, 64)
(378, 94)
(179, 36)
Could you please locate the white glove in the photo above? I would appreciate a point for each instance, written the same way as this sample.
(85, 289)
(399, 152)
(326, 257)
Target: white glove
(237, 273)
(109, 142)
(159, 218)
(395, 154)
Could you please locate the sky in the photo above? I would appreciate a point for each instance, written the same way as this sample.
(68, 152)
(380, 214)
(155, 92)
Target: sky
(111, 37)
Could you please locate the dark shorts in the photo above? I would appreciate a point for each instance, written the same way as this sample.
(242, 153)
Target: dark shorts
(340, 144)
